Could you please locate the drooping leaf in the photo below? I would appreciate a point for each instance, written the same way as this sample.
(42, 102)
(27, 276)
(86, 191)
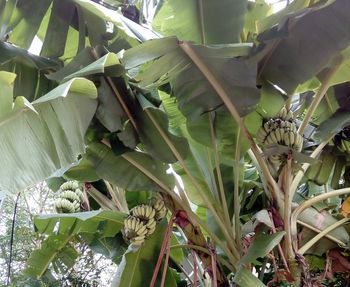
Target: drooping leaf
(297, 57)
(53, 126)
(276, 18)
(56, 34)
(245, 278)
(110, 247)
(6, 10)
(262, 244)
(104, 223)
(53, 247)
(82, 171)
(261, 217)
(26, 21)
(322, 220)
(108, 65)
(109, 111)
(208, 22)
(195, 95)
(121, 170)
(113, 16)
(8, 52)
(256, 11)
(333, 125)
(153, 122)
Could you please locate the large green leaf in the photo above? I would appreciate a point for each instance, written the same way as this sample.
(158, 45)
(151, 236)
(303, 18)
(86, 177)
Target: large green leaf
(257, 10)
(151, 137)
(245, 278)
(62, 228)
(8, 52)
(51, 250)
(103, 223)
(83, 171)
(122, 171)
(109, 111)
(209, 22)
(195, 95)
(52, 126)
(6, 10)
(333, 125)
(262, 245)
(137, 266)
(322, 220)
(62, 12)
(276, 18)
(297, 57)
(124, 34)
(26, 20)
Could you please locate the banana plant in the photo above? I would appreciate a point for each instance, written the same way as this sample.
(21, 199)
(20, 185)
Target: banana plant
(210, 135)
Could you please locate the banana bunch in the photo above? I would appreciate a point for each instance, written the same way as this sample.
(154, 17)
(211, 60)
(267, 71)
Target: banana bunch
(146, 214)
(143, 220)
(280, 130)
(320, 172)
(135, 230)
(70, 198)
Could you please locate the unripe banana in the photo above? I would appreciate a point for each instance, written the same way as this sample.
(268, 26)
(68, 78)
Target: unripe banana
(282, 113)
(267, 127)
(137, 240)
(127, 223)
(71, 185)
(261, 135)
(293, 127)
(160, 209)
(269, 140)
(70, 197)
(277, 135)
(286, 139)
(273, 137)
(142, 230)
(160, 214)
(289, 115)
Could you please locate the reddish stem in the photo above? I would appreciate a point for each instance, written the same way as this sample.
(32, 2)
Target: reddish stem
(194, 269)
(280, 251)
(213, 266)
(166, 263)
(165, 243)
